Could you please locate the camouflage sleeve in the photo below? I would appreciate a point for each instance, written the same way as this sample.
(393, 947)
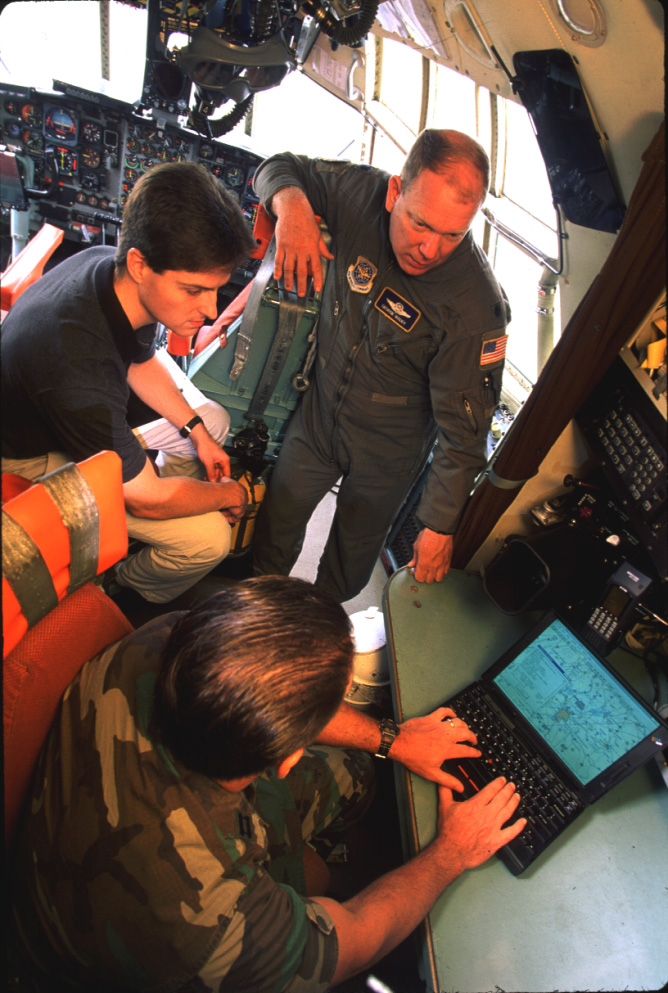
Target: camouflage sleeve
(275, 941)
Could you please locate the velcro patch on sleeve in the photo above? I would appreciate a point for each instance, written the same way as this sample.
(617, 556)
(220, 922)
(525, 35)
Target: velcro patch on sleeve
(493, 350)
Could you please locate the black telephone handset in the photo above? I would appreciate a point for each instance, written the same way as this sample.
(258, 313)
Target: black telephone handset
(608, 619)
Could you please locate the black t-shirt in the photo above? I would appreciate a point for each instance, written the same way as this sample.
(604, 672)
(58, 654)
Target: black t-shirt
(66, 348)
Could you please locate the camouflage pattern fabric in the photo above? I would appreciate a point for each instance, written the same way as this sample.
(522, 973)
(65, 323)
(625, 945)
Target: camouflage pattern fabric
(135, 873)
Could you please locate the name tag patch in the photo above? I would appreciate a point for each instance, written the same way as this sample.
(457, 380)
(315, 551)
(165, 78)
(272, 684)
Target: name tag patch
(399, 310)
(493, 350)
(361, 275)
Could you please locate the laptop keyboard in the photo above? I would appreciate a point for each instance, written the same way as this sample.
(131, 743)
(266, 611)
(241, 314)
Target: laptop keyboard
(548, 805)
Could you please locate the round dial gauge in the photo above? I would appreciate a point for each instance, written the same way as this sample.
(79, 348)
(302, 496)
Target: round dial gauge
(33, 141)
(61, 124)
(90, 180)
(90, 157)
(31, 115)
(92, 132)
(12, 129)
(233, 176)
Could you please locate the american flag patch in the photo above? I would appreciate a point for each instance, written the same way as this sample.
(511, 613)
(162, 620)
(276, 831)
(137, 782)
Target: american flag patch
(493, 350)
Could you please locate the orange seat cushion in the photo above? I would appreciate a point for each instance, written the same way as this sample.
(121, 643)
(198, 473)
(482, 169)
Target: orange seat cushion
(36, 674)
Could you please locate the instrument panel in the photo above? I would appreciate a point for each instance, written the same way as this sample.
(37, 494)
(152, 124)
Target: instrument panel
(81, 153)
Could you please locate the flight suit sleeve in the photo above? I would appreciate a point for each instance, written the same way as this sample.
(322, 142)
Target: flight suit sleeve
(330, 186)
(465, 388)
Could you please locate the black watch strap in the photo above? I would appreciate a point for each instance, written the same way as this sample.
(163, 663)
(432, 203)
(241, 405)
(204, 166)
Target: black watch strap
(388, 732)
(187, 428)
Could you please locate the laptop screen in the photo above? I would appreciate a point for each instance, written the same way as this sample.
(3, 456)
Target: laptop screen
(574, 702)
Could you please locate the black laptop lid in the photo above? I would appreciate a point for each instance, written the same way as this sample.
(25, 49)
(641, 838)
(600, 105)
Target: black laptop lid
(575, 708)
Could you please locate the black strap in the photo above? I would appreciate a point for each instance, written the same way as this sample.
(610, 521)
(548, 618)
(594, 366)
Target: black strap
(291, 307)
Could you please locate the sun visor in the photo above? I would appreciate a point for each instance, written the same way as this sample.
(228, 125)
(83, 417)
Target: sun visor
(548, 84)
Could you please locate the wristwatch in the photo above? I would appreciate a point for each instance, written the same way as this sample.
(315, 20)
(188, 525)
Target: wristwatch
(388, 732)
(187, 428)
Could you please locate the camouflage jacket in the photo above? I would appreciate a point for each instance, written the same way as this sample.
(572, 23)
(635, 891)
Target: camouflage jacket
(135, 873)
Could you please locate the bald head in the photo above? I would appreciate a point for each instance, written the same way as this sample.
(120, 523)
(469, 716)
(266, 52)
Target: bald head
(458, 158)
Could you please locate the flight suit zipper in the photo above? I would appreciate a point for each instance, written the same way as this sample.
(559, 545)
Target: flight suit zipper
(469, 413)
(347, 372)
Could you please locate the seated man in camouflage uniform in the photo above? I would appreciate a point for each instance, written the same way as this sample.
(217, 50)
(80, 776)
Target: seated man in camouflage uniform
(167, 842)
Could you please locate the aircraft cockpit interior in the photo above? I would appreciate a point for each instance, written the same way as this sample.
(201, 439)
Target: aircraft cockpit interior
(546, 629)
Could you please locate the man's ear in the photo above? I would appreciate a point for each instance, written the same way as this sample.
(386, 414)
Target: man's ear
(285, 765)
(393, 192)
(136, 264)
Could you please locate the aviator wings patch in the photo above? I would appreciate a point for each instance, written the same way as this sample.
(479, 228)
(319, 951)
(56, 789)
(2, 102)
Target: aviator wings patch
(399, 310)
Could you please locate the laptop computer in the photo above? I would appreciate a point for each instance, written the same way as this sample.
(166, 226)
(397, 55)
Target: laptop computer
(558, 721)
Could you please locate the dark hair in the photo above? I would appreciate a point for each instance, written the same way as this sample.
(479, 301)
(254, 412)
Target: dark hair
(251, 675)
(442, 151)
(180, 217)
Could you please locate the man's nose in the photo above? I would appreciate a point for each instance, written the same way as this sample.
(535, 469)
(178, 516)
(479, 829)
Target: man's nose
(430, 245)
(208, 304)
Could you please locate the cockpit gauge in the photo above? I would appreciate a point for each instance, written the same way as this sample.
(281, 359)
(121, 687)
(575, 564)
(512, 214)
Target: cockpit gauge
(12, 107)
(61, 125)
(234, 177)
(91, 132)
(89, 180)
(150, 151)
(206, 151)
(131, 161)
(31, 115)
(80, 197)
(90, 157)
(67, 161)
(33, 141)
(11, 129)
(133, 146)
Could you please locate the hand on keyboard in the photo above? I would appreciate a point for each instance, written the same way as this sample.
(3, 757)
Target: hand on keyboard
(425, 743)
(470, 831)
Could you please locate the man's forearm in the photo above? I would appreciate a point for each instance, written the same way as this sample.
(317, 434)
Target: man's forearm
(350, 728)
(166, 497)
(388, 910)
(153, 384)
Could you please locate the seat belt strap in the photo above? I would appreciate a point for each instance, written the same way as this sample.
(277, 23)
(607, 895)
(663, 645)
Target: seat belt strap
(290, 310)
(252, 311)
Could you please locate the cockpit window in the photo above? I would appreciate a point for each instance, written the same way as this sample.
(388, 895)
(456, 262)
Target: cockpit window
(100, 47)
